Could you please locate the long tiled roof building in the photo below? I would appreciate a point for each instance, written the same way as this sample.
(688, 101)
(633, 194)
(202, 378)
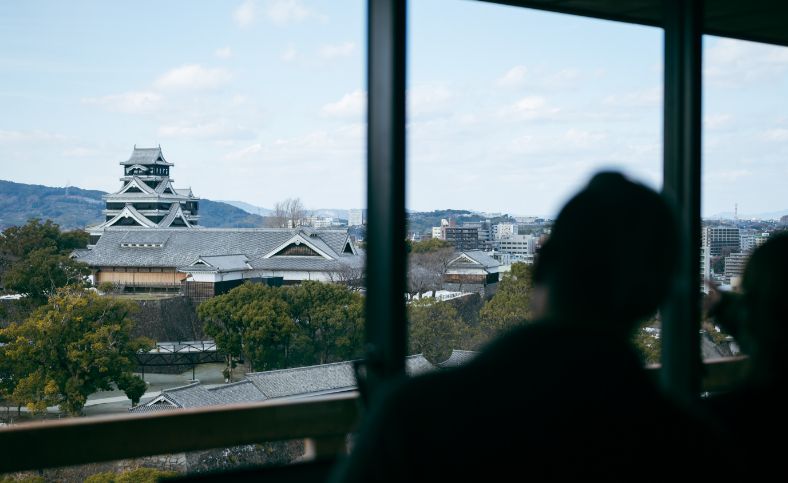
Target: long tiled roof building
(151, 241)
(208, 261)
(281, 384)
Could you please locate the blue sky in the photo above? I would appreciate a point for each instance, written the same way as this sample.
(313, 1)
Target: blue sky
(510, 110)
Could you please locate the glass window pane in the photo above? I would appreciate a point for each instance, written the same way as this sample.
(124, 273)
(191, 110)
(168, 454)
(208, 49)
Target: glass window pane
(510, 112)
(178, 151)
(745, 143)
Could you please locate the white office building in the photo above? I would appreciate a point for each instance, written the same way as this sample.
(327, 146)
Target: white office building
(355, 218)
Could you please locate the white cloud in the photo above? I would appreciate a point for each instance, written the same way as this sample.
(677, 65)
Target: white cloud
(310, 149)
(224, 53)
(128, 102)
(777, 134)
(584, 139)
(716, 121)
(428, 99)
(284, 12)
(29, 136)
(80, 152)
(289, 54)
(238, 100)
(530, 108)
(213, 129)
(351, 105)
(726, 175)
(567, 76)
(531, 103)
(334, 51)
(521, 76)
(732, 63)
(245, 13)
(640, 98)
(514, 77)
(242, 153)
(193, 76)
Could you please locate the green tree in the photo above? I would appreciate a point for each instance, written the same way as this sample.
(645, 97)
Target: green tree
(34, 259)
(18, 241)
(278, 327)
(435, 328)
(137, 475)
(332, 317)
(428, 245)
(647, 341)
(253, 322)
(133, 386)
(75, 345)
(41, 272)
(509, 306)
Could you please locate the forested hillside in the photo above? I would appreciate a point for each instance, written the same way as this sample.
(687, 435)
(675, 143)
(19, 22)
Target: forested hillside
(76, 208)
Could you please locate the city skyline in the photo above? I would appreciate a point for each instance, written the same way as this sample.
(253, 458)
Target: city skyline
(270, 95)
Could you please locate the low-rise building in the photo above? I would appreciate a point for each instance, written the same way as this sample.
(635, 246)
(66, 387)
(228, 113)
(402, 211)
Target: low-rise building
(280, 385)
(207, 261)
(472, 271)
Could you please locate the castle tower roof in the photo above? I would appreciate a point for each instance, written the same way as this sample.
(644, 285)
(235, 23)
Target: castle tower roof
(146, 156)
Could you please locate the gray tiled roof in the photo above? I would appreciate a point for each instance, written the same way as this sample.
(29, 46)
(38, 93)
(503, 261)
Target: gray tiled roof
(304, 263)
(153, 408)
(152, 198)
(457, 358)
(237, 392)
(79, 252)
(296, 382)
(305, 381)
(184, 246)
(146, 156)
(197, 395)
(226, 262)
(221, 263)
(175, 212)
(416, 365)
(481, 257)
(145, 236)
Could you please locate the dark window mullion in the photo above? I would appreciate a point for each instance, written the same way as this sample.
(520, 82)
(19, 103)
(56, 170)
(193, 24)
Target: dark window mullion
(682, 180)
(386, 263)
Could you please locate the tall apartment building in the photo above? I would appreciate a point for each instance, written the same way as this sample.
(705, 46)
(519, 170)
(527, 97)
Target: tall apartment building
(705, 268)
(734, 265)
(484, 230)
(503, 230)
(355, 218)
(720, 238)
(462, 238)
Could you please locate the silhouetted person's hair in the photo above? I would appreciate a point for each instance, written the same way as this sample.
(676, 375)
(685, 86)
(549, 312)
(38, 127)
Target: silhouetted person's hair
(765, 297)
(611, 255)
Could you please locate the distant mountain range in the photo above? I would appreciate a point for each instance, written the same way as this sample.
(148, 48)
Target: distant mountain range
(249, 208)
(337, 213)
(729, 215)
(77, 208)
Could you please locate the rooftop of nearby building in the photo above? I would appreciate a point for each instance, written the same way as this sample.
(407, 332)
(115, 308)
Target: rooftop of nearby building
(295, 382)
(140, 247)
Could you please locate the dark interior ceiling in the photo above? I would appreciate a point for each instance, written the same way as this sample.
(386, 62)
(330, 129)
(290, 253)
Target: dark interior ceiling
(755, 20)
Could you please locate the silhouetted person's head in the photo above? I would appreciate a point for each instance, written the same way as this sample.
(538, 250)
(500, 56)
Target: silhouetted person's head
(611, 255)
(765, 297)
